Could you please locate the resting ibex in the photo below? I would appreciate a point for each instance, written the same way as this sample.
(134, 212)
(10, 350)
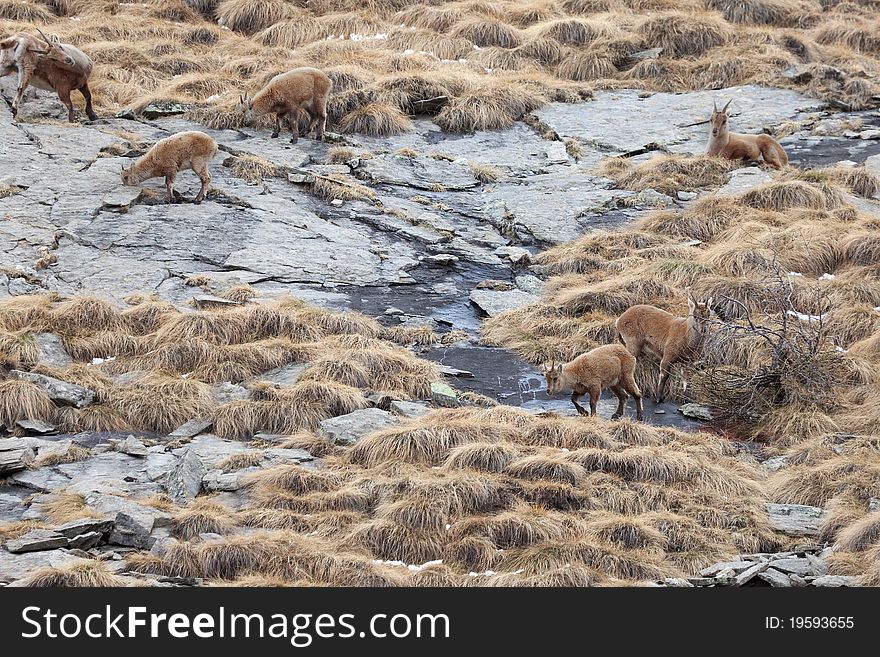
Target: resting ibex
(185, 150)
(609, 366)
(662, 334)
(49, 65)
(735, 146)
(288, 94)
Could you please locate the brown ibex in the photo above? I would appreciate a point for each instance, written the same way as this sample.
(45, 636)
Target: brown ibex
(610, 366)
(185, 150)
(735, 146)
(662, 334)
(289, 94)
(52, 66)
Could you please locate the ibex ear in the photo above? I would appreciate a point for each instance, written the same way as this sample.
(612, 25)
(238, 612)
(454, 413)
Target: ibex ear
(56, 40)
(709, 302)
(38, 51)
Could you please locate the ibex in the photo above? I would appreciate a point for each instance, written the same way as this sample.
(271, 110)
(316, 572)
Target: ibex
(662, 334)
(610, 366)
(52, 66)
(185, 150)
(734, 146)
(288, 94)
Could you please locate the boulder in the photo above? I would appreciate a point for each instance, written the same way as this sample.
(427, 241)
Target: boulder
(85, 541)
(695, 411)
(51, 351)
(409, 409)
(349, 429)
(796, 519)
(443, 395)
(191, 428)
(494, 302)
(15, 455)
(132, 446)
(36, 540)
(184, 481)
(60, 392)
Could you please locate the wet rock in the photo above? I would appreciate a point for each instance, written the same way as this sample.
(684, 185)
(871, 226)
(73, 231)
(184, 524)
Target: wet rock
(443, 395)
(493, 302)
(191, 428)
(775, 578)
(132, 446)
(835, 581)
(796, 519)
(59, 391)
(349, 429)
(36, 427)
(184, 481)
(451, 371)
(696, 411)
(51, 351)
(409, 409)
(36, 540)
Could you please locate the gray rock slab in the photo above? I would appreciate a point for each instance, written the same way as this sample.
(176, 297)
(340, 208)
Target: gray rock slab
(494, 302)
(714, 569)
(443, 395)
(85, 526)
(36, 540)
(51, 351)
(835, 581)
(801, 566)
(284, 376)
(132, 446)
(796, 519)
(60, 392)
(409, 409)
(17, 566)
(184, 481)
(775, 578)
(350, 428)
(191, 428)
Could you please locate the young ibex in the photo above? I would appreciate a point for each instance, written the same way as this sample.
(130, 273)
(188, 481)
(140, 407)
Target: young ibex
(185, 150)
(610, 366)
(734, 146)
(662, 334)
(288, 94)
(52, 66)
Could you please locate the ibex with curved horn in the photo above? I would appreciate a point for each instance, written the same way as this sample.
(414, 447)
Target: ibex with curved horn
(734, 146)
(609, 366)
(49, 65)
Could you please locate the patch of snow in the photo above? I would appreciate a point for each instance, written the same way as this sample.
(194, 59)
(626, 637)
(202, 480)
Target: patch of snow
(827, 277)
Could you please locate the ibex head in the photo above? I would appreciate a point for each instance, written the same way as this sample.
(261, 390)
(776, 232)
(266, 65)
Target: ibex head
(246, 106)
(54, 51)
(700, 311)
(719, 119)
(553, 377)
(127, 176)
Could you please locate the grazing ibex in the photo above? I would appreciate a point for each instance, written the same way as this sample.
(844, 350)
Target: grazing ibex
(662, 334)
(735, 146)
(610, 366)
(288, 94)
(52, 66)
(185, 150)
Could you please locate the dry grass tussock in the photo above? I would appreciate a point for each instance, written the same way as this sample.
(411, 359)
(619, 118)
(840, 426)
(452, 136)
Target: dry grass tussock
(798, 226)
(485, 489)
(471, 65)
(171, 361)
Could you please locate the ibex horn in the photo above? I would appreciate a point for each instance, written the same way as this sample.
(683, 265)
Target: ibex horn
(728, 105)
(44, 36)
(714, 105)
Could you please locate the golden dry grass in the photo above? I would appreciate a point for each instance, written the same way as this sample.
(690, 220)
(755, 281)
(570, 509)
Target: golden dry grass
(472, 66)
